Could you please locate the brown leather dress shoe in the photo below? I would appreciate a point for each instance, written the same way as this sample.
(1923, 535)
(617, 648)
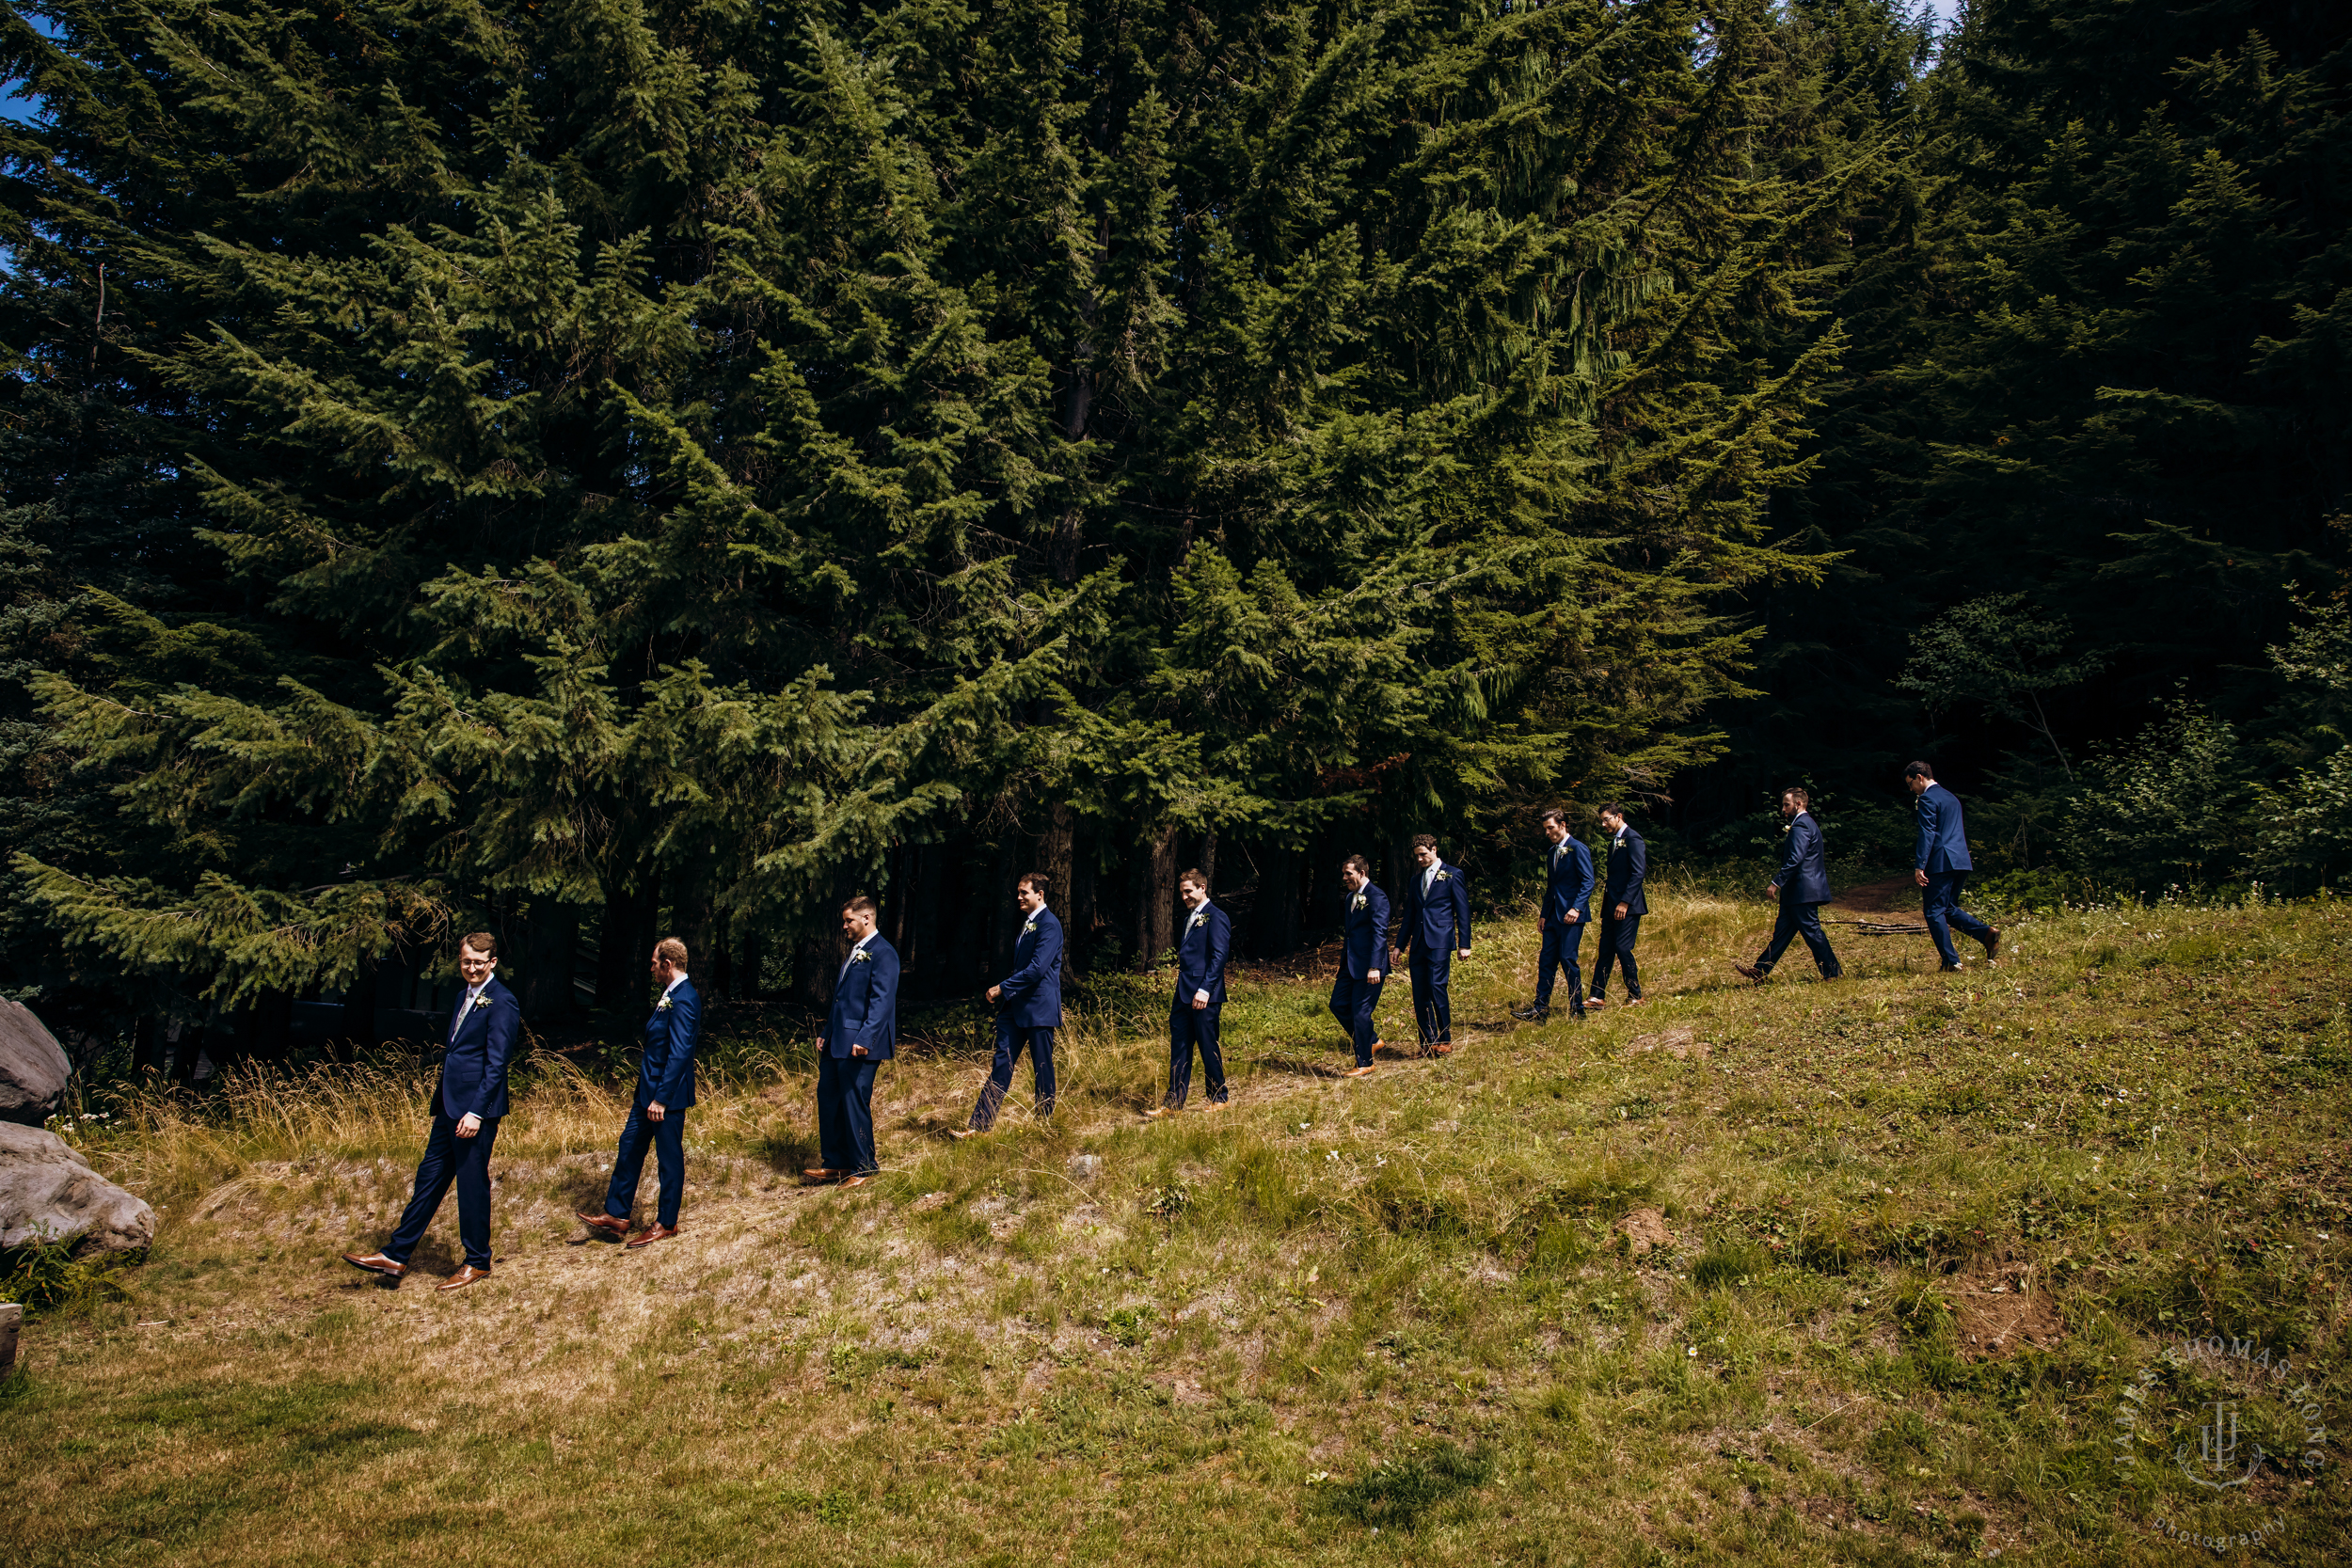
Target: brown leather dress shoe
(375, 1262)
(1993, 946)
(1364, 1072)
(1749, 972)
(1440, 1048)
(603, 1223)
(1156, 1112)
(467, 1274)
(651, 1234)
(849, 1181)
(818, 1176)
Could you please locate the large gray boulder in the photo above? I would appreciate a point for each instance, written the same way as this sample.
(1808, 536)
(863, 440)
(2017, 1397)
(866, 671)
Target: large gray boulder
(33, 1070)
(47, 1192)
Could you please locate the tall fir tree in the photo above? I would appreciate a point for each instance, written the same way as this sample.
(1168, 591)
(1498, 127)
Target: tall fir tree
(669, 460)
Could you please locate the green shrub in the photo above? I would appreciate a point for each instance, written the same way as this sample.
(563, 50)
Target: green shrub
(46, 1277)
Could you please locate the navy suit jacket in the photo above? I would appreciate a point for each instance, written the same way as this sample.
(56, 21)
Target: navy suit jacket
(865, 1003)
(1803, 874)
(1567, 879)
(1943, 837)
(1200, 954)
(1629, 863)
(473, 1074)
(666, 1076)
(1032, 992)
(1440, 919)
(1366, 933)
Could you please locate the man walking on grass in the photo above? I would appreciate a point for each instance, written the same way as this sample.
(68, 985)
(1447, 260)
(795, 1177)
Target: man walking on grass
(1802, 885)
(1194, 1012)
(1623, 905)
(467, 1105)
(657, 1115)
(1564, 912)
(1364, 935)
(1435, 927)
(1940, 864)
(1029, 1007)
(860, 1033)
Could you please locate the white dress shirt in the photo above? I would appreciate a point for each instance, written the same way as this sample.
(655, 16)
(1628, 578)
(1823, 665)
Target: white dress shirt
(853, 958)
(457, 1021)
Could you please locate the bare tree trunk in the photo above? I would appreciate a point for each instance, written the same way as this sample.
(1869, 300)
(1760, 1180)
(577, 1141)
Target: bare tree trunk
(1155, 916)
(146, 1045)
(622, 945)
(1053, 851)
(359, 1004)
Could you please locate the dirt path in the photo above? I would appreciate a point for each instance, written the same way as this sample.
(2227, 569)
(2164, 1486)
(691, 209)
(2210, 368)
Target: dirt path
(1897, 893)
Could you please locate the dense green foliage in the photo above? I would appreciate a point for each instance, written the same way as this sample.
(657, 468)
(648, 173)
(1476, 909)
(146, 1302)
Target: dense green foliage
(2098, 365)
(607, 467)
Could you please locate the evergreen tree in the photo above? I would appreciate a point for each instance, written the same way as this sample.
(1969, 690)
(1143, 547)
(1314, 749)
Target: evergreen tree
(670, 458)
(2096, 359)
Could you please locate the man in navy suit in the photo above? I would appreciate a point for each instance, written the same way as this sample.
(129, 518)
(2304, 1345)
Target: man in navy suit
(467, 1105)
(1365, 932)
(1437, 925)
(1940, 864)
(860, 1033)
(657, 1115)
(1566, 911)
(1028, 1007)
(1623, 905)
(1802, 885)
(1207, 941)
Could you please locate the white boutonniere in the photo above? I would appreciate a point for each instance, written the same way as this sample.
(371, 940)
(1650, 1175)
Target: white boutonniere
(663, 1005)
(1197, 918)
(481, 1000)
(1440, 877)
(1029, 929)
(1359, 904)
(861, 956)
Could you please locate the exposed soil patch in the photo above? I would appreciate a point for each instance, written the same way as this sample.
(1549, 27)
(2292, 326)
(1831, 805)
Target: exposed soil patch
(1647, 1230)
(1896, 892)
(1678, 1043)
(2001, 1307)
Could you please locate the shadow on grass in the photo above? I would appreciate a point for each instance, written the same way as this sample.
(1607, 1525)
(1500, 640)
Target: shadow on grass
(1394, 1495)
(1297, 1065)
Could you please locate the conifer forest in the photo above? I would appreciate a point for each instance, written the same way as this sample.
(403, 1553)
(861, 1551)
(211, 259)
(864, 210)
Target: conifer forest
(602, 468)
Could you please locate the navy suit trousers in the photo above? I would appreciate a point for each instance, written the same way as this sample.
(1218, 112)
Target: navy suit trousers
(667, 1139)
(1800, 920)
(1617, 947)
(1187, 1027)
(450, 1158)
(845, 1113)
(1940, 904)
(1562, 940)
(1010, 1039)
(1353, 1000)
(1431, 969)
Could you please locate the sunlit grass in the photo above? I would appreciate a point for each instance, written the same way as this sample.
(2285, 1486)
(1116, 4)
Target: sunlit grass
(1417, 1302)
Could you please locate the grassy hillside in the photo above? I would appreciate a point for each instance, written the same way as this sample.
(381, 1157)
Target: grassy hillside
(1856, 1272)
